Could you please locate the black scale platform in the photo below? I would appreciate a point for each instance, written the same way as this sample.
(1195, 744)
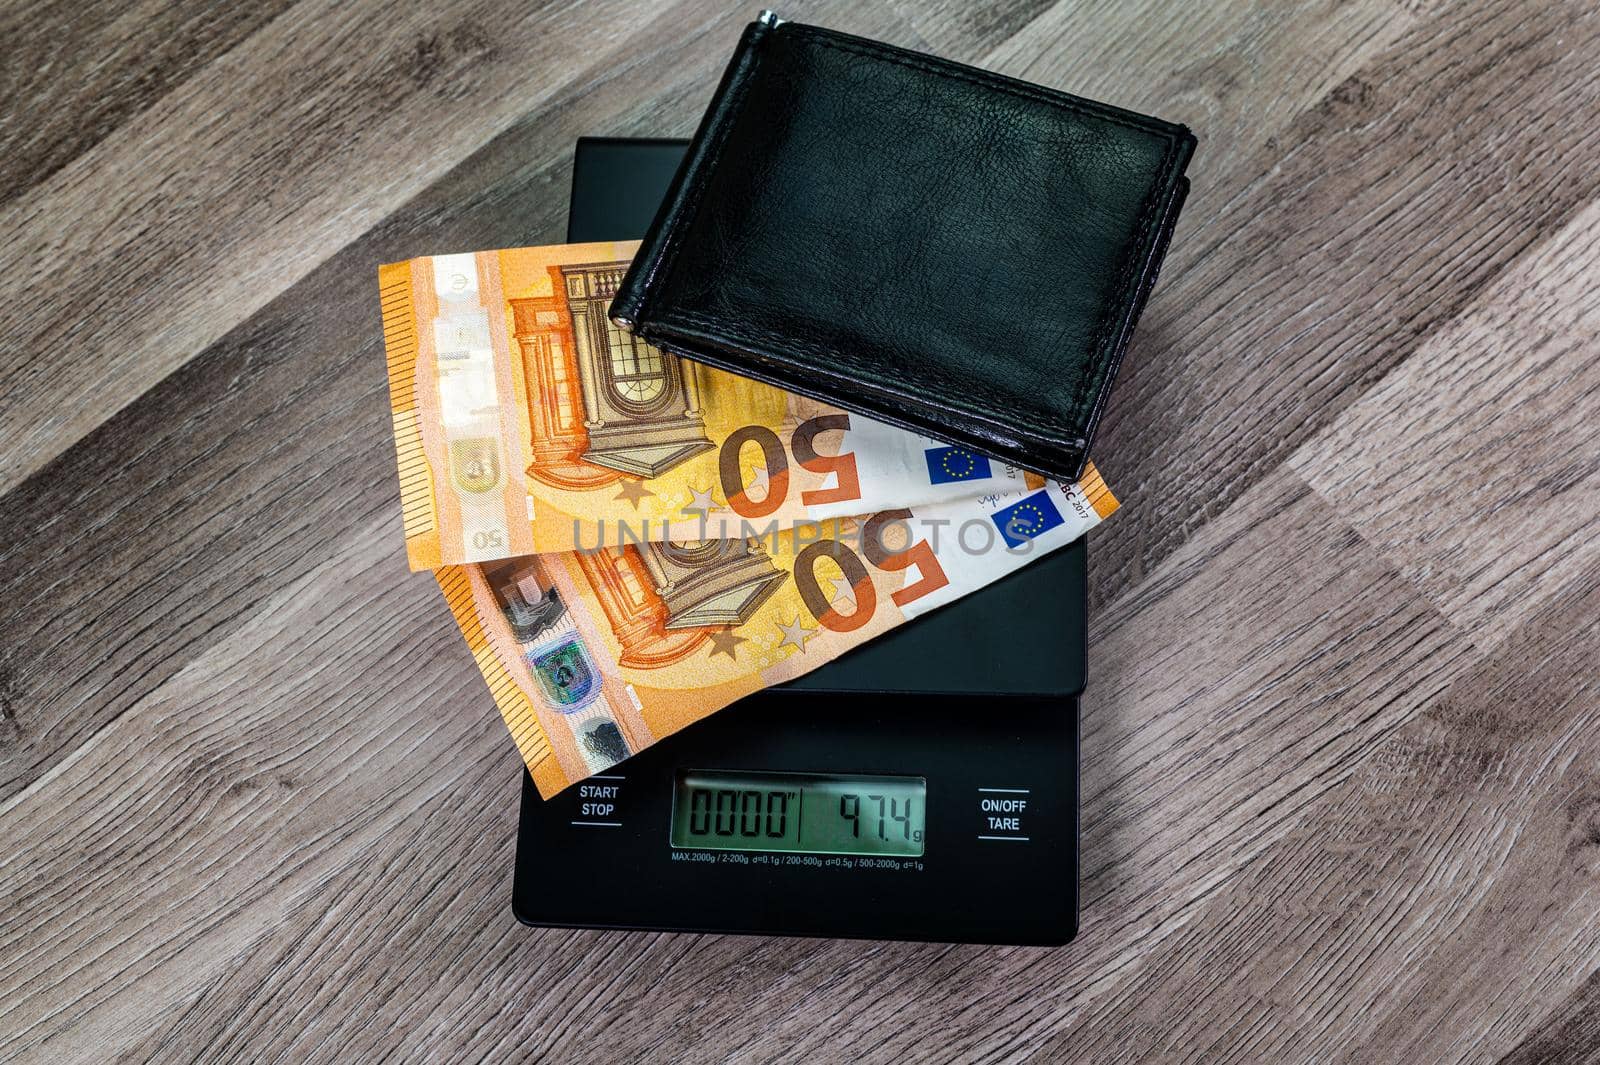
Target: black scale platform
(976, 705)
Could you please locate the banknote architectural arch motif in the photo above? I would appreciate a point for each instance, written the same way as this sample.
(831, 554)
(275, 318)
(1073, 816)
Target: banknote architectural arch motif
(642, 405)
(600, 396)
(625, 590)
(711, 582)
(662, 600)
(603, 402)
(555, 399)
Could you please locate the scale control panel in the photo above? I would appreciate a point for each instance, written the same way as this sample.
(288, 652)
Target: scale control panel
(865, 815)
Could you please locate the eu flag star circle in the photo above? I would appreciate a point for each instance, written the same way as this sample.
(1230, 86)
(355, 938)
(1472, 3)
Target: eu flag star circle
(1026, 516)
(967, 464)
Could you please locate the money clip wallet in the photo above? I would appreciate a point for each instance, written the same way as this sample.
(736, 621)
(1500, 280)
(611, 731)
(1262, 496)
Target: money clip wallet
(936, 246)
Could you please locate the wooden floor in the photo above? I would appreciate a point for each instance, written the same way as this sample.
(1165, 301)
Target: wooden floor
(1342, 735)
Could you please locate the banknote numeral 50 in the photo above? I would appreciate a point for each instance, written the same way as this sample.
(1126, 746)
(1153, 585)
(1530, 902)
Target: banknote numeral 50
(776, 460)
(930, 575)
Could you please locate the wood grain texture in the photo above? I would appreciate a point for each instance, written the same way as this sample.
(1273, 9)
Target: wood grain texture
(1429, 908)
(1569, 1036)
(316, 127)
(1342, 729)
(1318, 265)
(1475, 464)
(75, 72)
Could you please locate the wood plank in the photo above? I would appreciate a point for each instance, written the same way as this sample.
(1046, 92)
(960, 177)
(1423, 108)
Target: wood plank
(1475, 465)
(302, 137)
(74, 72)
(199, 816)
(956, 29)
(1570, 1035)
(1427, 908)
(1306, 271)
(1238, 73)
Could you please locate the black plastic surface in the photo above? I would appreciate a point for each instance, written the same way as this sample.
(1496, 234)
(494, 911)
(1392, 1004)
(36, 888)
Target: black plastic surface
(591, 859)
(617, 184)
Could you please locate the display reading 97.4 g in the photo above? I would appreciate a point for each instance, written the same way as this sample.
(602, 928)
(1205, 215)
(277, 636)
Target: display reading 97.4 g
(815, 813)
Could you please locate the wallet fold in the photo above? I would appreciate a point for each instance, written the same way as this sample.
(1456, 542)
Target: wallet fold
(932, 245)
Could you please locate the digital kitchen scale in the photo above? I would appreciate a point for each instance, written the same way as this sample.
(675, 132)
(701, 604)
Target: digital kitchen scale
(924, 786)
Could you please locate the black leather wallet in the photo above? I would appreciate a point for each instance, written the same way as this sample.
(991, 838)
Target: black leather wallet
(930, 244)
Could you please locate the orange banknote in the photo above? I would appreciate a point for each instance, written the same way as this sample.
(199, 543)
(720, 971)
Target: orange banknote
(526, 421)
(593, 656)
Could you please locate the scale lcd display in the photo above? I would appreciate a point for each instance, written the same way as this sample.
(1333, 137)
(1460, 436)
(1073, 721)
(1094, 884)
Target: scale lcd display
(813, 813)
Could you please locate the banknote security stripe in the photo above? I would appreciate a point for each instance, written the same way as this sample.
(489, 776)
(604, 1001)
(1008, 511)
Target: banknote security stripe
(515, 707)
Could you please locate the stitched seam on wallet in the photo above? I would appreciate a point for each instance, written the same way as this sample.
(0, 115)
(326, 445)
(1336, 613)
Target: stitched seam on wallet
(1118, 310)
(1114, 311)
(691, 208)
(904, 417)
(954, 385)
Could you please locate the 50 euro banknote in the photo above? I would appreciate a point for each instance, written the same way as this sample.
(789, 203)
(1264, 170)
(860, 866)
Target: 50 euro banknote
(526, 421)
(593, 656)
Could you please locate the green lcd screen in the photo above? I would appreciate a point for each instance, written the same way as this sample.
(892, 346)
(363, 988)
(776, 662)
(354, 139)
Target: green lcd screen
(804, 812)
